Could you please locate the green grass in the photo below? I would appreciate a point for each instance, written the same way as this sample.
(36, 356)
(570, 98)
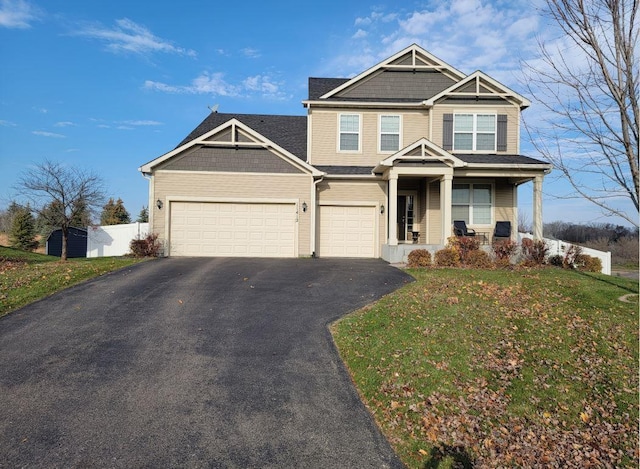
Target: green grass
(26, 277)
(501, 368)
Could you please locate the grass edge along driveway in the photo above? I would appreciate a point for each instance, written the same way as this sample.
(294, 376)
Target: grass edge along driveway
(501, 368)
(26, 277)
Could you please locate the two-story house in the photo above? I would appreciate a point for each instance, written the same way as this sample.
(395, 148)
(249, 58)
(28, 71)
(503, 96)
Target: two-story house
(382, 163)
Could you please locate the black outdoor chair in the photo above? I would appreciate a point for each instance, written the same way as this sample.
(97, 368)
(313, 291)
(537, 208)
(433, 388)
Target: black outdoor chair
(502, 230)
(460, 229)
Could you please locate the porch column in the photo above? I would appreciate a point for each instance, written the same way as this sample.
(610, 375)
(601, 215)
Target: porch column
(537, 207)
(392, 205)
(446, 188)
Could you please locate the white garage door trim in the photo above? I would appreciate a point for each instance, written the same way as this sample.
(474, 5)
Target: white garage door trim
(289, 250)
(356, 235)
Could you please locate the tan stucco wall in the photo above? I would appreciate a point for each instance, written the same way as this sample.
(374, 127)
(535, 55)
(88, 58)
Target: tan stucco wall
(323, 138)
(203, 186)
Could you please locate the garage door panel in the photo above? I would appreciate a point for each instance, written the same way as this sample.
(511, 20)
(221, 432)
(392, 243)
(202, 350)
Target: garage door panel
(347, 231)
(232, 229)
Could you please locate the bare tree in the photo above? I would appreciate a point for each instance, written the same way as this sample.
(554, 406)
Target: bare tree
(69, 189)
(588, 82)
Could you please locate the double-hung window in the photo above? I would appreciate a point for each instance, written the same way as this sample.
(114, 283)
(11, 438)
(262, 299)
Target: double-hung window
(349, 130)
(474, 132)
(472, 203)
(389, 133)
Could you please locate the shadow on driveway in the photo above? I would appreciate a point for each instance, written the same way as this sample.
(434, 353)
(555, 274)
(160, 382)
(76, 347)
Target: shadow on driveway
(192, 363)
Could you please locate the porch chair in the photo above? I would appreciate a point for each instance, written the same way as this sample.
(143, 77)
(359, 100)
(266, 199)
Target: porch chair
(460, 229)
(502, 230)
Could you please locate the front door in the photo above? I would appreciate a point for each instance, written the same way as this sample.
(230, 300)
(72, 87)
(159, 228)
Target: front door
(405, 217)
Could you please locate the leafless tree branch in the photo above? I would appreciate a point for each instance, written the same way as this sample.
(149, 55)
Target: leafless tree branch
(588, 88)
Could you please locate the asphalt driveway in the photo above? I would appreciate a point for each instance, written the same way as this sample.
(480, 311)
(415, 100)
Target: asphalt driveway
(191, 363)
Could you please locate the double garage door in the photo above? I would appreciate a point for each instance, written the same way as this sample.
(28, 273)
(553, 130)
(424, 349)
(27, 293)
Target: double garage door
(233, 229)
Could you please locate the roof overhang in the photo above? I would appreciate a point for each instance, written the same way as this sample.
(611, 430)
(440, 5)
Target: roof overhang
(421, 151)
(258, 141)
(481, 80)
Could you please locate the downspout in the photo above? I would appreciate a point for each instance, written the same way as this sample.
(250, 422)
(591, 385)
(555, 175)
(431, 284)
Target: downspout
(150, 205)
(314, 214)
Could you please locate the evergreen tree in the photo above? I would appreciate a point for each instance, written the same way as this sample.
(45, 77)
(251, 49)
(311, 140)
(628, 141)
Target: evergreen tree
(80, 214)
(143, 216)
(23, 231)
(114, 213)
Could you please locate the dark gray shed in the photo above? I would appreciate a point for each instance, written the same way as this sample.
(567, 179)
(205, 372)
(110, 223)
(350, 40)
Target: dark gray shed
(76, 243)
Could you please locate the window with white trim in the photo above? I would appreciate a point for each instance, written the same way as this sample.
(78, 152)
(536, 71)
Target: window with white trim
(389, 133)
(472, 203)
(474, 132)
(349, 132)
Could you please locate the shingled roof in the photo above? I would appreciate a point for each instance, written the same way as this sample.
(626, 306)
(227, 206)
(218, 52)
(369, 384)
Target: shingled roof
(289, 132)
(321, 86)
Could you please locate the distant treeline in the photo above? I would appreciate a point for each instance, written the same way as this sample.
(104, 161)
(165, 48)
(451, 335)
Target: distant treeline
(621, 241)
(581, 234)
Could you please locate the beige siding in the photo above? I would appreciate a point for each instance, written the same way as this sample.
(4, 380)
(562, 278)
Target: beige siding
(435, 218)
(353, 192)
(199, 186)
(324, 136)
(505, 207)
(512, 112)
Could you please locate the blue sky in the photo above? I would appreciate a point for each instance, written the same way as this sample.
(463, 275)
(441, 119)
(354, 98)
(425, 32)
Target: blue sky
(110, 85)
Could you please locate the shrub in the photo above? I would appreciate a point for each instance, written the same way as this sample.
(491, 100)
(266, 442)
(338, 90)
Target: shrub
(447, 257)
(504, 249)
(570, 256)
(534, 251)
(145, 247)
(556, 260)
(587, 263)
(479, 260)
(464, 245)
(419, 258)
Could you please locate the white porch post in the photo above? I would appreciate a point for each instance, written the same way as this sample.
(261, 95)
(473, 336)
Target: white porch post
(392, 205)
(537, 207)
(446, 188)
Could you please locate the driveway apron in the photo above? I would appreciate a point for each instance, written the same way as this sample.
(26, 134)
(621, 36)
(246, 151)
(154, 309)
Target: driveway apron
(192, 363)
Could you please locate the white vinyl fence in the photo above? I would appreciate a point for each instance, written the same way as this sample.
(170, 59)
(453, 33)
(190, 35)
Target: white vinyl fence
(113, 240)
(560, 248)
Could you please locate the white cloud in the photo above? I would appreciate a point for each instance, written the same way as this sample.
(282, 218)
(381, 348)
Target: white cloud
(216, 85)
(43, 133)
(4, 123)
(142, 123)
(129, 36)
(64, 124)
(251, 53)
(18, 14)
(360, 33)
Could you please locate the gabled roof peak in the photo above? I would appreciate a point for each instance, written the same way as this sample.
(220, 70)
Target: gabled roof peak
(412, 57)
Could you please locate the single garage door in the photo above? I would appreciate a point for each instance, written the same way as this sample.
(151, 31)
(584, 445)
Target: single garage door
(232, 229)
(347, 231)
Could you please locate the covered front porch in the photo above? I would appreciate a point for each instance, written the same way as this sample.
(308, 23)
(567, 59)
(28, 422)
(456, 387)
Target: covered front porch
(428, 188)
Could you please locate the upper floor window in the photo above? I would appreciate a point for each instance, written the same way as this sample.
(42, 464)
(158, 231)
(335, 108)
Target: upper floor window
(349, 139)
(389, 133)
(474, 132)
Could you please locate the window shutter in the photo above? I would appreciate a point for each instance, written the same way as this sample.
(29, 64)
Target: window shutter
(447, 132)
(502, 132)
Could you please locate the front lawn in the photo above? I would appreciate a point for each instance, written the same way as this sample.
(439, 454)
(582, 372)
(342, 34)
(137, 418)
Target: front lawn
(26, 277)
(501, 368)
